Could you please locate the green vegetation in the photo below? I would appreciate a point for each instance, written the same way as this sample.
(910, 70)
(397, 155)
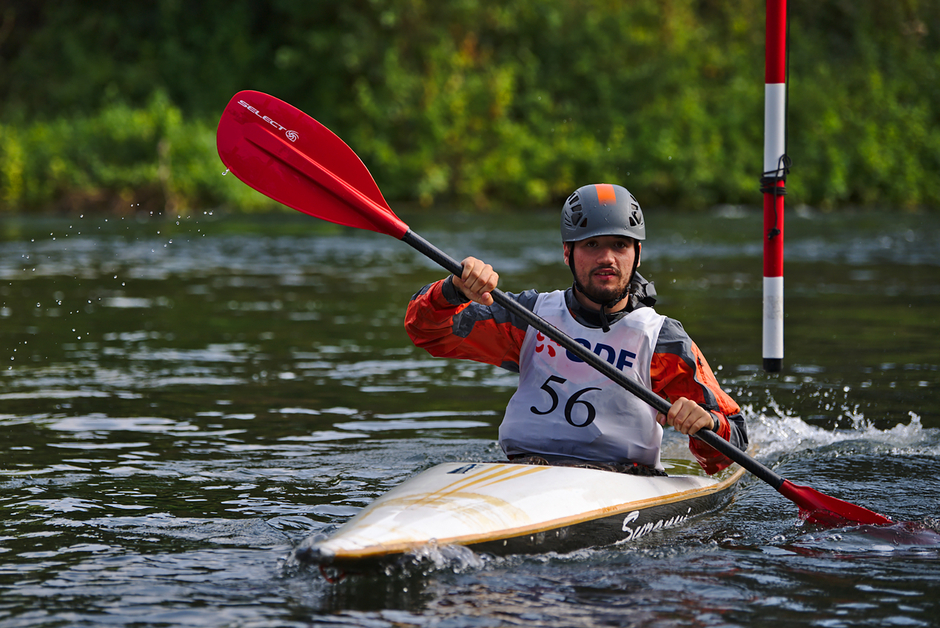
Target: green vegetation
(475, 103)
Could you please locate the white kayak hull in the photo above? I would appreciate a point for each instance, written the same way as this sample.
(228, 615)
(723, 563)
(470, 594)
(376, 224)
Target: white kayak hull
(506, 508)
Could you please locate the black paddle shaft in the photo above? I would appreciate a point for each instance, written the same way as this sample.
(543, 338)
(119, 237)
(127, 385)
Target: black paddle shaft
(533, 320)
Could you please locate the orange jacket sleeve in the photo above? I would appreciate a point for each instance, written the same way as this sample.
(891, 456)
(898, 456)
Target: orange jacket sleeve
(443, 323)
(679, 369)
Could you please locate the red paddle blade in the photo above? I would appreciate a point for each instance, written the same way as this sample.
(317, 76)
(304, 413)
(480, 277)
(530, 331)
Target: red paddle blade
(288, 156)
(827, 511)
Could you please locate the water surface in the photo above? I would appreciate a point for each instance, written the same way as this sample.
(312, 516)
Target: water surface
(184, 400)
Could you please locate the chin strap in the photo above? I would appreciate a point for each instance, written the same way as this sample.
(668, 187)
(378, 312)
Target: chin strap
(605, 325)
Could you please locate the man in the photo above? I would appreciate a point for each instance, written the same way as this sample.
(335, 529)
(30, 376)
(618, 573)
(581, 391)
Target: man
(564, 410)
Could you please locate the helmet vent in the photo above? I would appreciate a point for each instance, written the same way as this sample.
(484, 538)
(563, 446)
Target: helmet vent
(636, 218)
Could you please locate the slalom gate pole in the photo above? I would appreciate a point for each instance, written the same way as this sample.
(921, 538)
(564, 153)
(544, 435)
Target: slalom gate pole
(773, 181)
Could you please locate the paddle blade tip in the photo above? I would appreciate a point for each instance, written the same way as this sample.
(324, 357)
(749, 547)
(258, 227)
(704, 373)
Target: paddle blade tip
(823, 510)
(288, 156)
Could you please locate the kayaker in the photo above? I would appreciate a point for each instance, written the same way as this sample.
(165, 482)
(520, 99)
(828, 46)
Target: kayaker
(564, 410)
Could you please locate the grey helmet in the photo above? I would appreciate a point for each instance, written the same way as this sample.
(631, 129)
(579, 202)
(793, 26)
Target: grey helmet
(599, 210)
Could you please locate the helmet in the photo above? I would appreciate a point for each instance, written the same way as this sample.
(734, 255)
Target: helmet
(599, 210)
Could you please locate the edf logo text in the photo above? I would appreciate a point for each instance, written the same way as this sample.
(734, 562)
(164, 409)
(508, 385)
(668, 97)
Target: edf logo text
(621, 360)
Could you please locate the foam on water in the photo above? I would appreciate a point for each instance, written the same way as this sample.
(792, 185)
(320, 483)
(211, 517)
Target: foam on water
(775, 431)
(434, 557)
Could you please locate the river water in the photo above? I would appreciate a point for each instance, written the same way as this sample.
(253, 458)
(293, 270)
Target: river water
(184, 400)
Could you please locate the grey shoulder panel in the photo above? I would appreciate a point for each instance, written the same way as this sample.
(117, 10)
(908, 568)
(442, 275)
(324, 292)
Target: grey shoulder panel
(674, 339)
(474, 313)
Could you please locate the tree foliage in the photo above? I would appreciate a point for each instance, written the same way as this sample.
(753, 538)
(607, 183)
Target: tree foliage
(484, 104)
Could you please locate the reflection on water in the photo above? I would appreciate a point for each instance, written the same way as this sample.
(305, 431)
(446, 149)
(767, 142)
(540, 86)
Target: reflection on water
(184, 400)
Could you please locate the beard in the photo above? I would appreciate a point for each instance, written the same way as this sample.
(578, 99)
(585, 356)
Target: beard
(602, 294)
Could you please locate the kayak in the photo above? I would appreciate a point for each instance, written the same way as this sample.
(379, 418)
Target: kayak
(508, 508)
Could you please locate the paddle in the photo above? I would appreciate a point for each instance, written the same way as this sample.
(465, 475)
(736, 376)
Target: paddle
(285, 154)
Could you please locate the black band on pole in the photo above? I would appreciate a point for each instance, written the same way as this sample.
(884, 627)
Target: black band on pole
(769, 185)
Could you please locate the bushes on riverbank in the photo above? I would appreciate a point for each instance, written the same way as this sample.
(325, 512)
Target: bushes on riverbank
(472, 103)
(123, 159)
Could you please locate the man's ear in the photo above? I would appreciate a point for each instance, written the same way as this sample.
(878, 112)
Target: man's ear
(566, 247)
(639, 248)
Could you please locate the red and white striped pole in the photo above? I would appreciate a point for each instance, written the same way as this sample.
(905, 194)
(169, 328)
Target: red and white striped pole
(773, 182)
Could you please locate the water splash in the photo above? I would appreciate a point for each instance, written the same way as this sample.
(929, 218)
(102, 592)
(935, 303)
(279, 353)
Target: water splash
(434, 557)
(873, 461)
(777, 431)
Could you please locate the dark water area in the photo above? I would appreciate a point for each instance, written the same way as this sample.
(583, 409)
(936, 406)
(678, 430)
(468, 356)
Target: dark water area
(184, 400)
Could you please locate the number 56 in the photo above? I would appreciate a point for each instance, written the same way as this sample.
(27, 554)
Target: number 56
(574, 400)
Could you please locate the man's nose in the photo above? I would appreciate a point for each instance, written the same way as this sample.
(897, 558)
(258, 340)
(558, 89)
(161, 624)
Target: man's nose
(605, 254)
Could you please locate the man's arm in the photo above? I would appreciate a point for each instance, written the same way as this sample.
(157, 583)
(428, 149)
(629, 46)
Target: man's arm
(442, 321)
(679, 370)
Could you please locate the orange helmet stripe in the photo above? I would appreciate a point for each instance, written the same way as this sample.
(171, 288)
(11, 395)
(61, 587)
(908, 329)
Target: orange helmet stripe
(606, 194)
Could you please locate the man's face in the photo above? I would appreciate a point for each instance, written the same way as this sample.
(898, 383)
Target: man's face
(603, 265)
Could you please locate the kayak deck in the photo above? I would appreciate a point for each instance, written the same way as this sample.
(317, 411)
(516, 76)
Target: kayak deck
(506, 508)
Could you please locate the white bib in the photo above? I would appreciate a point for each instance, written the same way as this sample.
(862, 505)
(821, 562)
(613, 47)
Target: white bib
(563, 407)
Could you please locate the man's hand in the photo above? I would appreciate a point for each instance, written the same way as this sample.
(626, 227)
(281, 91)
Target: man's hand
(477, 281)
(687, 417)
